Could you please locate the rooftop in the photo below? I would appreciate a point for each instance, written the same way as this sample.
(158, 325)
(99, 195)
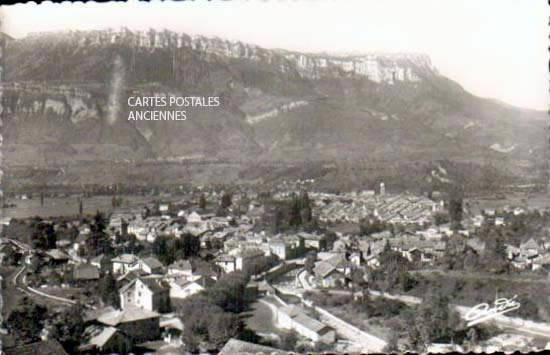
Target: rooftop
(127, 315)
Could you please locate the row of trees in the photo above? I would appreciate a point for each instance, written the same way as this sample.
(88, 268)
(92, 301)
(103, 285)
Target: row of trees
(292, 214)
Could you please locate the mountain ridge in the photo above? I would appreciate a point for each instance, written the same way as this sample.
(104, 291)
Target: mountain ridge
(275, 104)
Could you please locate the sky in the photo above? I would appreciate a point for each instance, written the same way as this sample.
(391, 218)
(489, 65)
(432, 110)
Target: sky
(493, 48)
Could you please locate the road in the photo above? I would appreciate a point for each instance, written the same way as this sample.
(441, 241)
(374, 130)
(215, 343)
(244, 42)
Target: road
(19, 281)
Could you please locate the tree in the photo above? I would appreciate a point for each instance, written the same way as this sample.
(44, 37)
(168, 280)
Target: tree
(358, 279)
(305, 207)
(309, 263)
(295, 215)
(393, 271)
(202, 202)
(27, 320)
(441, 218)
(80, 206)
(392, 345)
(434, 321)
(160, 249)
(68, 327)
(98, 242)
(455, 211)
(226, 200)
(108, 290)
(43, 235)
(189, 245)
(223, 326)
(277, 220)
(288, 341)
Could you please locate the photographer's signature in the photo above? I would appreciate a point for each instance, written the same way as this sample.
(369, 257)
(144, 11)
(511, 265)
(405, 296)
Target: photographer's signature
(483, 311)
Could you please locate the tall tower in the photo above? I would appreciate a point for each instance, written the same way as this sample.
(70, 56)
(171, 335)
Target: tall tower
(382, 189)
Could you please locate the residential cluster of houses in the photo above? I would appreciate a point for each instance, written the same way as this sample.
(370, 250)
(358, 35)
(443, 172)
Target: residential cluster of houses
(146, 292)
(530, 255)
(355, 206)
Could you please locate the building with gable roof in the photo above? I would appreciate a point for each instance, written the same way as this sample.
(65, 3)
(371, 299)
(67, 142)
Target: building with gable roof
(292, 317)
(150, 293)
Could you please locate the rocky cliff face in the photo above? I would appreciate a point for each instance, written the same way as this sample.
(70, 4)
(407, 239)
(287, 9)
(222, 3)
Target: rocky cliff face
(66, 95)
(378, 67)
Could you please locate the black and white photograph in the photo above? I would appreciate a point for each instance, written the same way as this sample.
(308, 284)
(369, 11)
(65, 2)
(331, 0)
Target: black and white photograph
(274, 177)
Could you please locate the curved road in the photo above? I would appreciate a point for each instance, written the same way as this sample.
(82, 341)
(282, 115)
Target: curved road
(19, 280)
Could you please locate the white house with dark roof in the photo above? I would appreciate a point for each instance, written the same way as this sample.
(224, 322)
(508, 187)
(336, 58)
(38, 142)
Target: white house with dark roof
(180, 268)
(183, 288)
(150, 293)
(327, 275)
(124, 263)
(226, 262)
(150, 265)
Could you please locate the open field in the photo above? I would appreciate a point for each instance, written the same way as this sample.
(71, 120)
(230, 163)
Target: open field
(66, 206)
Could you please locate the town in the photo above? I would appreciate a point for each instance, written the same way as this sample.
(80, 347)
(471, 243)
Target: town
(233, 269)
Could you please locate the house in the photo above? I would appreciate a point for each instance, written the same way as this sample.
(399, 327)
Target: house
(85, 272)
(512, 251)
(518, 211)
(124, 263)
(530, 249)
(182, 288)
(340, 262)
(164, 208)
(476, 244)
(246, 257)
(226, 262)
(240, 347)
(315, 241)
(288, 247)
(478, 220)
(499, 221)
(56, 257)
(150, 293)
(521, 262)
(139, 324)
(105, 340)
(542, 263)
(150, 265)
(180, 268)
(80, 241)
(327, 275)
(294, 318)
